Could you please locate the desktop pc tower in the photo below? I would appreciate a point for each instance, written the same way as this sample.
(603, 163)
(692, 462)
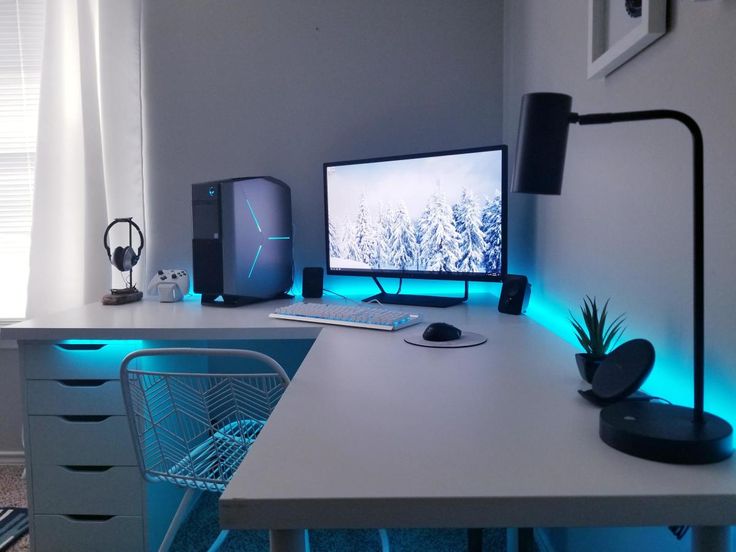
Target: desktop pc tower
(242, 240)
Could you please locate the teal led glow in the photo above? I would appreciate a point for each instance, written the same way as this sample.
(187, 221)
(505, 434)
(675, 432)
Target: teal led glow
(671, 377)
(554, 319)
(81, 346)
(669, 382)
(255, 260)
(90, 354)
(253, 214)
(279, 237)
(76, 342)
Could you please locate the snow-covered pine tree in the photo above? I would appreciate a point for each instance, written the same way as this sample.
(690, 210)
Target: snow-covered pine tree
(348, 245)
(385, 225)
(365, 236)
(456, 217)
(491, 226)
(468, 222)
(421, 228)
(439, 239)
(334, 240)
(403, 246)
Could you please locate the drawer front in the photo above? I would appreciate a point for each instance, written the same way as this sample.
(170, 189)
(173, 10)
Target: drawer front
(86, 490)
(70, 397)
(75, 359)
(80, 441)
(85, 534)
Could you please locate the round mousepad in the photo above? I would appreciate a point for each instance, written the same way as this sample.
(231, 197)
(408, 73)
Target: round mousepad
(624, 370)
(467, 339)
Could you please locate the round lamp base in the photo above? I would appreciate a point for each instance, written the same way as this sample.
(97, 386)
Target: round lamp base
(665, 433)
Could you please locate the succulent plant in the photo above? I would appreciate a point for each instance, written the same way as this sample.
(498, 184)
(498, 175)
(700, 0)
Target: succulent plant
(593, 334)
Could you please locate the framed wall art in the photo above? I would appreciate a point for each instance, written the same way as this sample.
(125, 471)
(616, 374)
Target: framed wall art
(620, 29)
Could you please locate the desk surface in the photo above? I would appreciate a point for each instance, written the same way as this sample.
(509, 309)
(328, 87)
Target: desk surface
(374, 432)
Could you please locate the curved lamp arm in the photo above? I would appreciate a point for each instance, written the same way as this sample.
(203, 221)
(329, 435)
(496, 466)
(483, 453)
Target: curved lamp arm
(698, 230)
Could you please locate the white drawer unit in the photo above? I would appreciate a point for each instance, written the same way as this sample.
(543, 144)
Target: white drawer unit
(75, 359)
(87, 490)
(81, 440)
(75, 397)
(84, 486)
(68, 533)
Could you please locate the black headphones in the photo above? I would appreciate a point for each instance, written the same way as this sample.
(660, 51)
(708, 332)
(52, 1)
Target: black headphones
(124, 258)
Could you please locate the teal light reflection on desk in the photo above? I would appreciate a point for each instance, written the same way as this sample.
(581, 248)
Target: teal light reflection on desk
(670, 379)
(551, 318)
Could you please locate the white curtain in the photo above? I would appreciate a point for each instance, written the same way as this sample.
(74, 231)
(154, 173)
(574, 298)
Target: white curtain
(89, 158)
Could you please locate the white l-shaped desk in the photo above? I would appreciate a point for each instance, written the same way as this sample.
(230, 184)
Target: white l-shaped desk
(374, 432)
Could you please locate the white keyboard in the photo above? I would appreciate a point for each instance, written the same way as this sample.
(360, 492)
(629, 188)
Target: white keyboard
(358, 316)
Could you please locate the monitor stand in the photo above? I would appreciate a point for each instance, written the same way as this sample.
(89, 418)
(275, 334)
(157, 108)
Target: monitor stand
(415, 300)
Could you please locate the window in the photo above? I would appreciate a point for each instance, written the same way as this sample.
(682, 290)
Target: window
(21, 38)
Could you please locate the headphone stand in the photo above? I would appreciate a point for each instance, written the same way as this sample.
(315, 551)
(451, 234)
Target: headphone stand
(124, 259)
(122, 296)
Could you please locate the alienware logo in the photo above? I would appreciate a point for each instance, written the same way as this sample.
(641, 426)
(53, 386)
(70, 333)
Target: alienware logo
(260, 231)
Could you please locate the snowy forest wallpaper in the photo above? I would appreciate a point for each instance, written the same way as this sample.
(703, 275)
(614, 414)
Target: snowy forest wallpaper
(432, 214)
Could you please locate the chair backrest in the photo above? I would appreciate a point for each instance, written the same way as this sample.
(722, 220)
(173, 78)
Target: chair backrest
(193, 429)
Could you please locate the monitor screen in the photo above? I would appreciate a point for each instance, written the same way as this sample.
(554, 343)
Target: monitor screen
(436, 215)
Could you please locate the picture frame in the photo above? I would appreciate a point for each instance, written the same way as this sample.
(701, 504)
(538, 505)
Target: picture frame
(647, 21)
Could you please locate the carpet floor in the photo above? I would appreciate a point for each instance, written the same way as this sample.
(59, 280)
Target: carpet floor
(201, 529)
(13, 493)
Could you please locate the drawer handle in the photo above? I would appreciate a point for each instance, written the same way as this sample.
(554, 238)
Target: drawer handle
(81, 346)
(87, 517)
(82, 383)
(87, 468)
(90, 419)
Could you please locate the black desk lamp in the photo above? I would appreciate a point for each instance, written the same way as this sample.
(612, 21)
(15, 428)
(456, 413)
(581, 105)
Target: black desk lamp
(653, 430)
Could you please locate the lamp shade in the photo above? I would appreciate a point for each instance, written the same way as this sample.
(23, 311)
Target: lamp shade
(542, 141)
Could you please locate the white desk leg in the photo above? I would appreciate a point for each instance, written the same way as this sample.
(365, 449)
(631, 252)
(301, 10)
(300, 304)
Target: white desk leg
(711, 539)
(519, 539)
(288, 540)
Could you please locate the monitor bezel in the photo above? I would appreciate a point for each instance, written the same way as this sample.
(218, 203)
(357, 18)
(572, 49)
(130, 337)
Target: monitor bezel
(456, 276)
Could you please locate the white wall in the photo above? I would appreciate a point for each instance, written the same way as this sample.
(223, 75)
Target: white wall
(622, 227)
(280, 87)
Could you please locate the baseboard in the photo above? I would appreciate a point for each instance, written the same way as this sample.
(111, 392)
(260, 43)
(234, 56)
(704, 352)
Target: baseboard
(542, 540)
(12, 457)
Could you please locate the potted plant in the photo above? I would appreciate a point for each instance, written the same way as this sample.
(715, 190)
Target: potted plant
(594, 336)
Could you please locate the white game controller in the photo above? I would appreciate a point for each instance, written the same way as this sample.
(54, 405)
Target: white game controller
(170, 284)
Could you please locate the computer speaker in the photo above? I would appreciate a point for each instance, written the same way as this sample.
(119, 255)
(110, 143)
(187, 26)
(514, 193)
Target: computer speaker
(312, 277)
(514, 294)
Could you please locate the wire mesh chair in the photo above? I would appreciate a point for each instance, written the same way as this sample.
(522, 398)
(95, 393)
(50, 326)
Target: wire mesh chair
(194, 429)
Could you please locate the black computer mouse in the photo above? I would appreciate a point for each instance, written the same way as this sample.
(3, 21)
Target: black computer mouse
(440, 331)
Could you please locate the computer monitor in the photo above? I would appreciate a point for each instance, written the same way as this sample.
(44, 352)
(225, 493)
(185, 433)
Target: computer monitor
(439, 215)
